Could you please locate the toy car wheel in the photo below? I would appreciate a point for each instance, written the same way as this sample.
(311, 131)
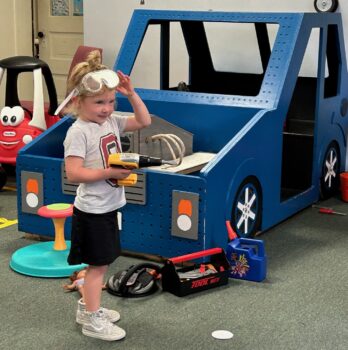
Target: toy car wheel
(3, 177)
(326, 5)
(330, 179)
(246, 211)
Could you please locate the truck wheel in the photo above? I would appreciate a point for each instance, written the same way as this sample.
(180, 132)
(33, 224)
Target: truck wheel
(325, 5)
(3, 177)
(330, 177)
(246, 210)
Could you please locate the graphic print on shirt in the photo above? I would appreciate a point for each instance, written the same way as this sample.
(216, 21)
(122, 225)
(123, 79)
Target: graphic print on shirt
(109, 145)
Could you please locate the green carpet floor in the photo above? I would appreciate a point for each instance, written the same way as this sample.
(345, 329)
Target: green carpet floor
(303, 304)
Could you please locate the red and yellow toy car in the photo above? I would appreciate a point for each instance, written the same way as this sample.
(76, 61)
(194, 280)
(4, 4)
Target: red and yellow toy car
(22, 121)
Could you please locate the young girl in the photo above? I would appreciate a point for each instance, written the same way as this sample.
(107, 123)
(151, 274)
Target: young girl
(94, 135)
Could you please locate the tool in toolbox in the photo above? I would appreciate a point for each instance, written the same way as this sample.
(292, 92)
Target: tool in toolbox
(195, 277)
(326, 210)
(246, 256)
(134, 161)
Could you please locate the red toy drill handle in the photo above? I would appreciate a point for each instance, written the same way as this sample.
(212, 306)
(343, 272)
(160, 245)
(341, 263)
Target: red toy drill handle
(196, 255)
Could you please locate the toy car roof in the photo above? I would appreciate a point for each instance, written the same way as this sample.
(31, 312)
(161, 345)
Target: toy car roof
(22, 63)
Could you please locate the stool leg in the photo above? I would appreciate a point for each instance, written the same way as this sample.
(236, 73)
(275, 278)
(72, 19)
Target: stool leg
(59, 240)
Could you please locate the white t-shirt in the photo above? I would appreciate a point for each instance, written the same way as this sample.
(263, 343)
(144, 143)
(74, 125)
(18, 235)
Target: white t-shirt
(94, 142)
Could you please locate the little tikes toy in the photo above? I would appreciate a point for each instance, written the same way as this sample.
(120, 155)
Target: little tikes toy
(22, 121)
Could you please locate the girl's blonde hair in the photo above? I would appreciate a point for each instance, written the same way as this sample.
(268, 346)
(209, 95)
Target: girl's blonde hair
(91, 64)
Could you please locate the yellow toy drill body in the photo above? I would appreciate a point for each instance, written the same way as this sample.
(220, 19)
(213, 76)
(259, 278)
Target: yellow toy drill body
(134, 161)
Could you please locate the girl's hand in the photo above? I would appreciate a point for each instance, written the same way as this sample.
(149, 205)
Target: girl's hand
(125, 86)
(118, 173)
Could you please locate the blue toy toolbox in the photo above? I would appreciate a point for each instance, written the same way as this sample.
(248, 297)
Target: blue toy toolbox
(247, 258)
(192, 277)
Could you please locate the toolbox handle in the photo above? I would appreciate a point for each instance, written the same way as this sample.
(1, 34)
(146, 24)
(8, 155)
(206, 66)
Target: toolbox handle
(193, 256)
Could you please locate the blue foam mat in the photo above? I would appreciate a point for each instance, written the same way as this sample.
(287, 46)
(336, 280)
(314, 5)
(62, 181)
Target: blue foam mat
(41, 260)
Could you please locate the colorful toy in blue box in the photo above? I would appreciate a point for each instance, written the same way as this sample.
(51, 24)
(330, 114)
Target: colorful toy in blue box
(247, 257)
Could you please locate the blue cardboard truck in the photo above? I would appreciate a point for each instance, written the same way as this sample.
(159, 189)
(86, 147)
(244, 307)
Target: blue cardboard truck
(272, 138)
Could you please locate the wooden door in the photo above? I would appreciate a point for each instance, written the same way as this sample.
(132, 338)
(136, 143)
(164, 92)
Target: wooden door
(59, 33)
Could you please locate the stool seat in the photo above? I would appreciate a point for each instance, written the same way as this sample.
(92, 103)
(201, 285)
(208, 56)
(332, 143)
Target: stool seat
(56, 210)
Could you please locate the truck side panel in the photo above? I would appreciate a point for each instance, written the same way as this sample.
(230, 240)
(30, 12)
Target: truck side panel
(147, 228)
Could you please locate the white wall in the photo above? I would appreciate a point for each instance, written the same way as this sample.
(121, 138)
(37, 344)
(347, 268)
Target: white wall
(15, 29)
(106, 21)
(15, 26)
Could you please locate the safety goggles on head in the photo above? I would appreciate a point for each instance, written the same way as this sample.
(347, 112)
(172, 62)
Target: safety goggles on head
(92, 82)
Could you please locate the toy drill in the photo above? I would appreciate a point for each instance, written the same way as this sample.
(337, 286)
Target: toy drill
(134, 161)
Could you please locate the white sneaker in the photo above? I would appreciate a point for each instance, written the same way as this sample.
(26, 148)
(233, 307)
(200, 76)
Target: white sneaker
(98, 327)
(82, 317)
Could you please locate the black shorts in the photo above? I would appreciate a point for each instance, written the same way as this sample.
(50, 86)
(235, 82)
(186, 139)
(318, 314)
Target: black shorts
(95, 238)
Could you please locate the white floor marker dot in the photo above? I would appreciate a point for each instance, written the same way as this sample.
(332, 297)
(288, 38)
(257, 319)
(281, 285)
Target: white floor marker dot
(221, 334)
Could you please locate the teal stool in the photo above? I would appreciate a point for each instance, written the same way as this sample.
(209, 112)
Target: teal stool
(47, 259)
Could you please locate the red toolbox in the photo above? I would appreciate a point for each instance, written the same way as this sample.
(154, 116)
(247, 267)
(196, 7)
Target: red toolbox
(195, 276)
